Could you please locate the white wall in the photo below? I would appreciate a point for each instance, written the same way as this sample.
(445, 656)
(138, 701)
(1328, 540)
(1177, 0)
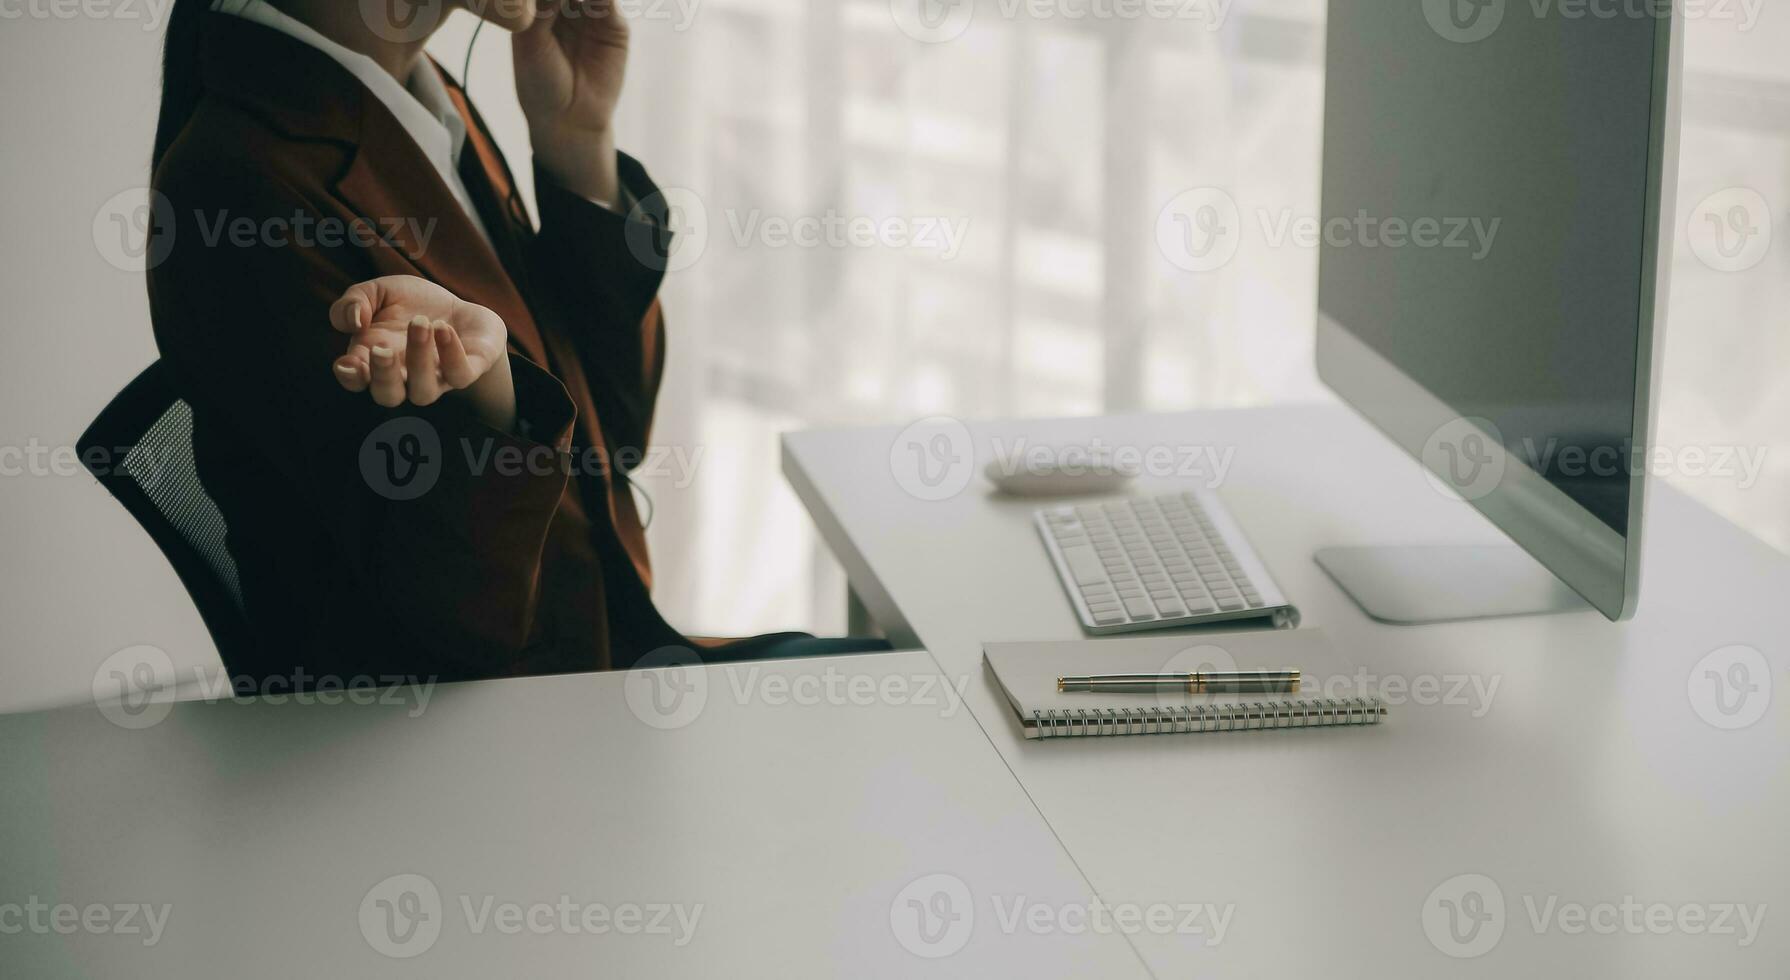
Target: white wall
(80, 580)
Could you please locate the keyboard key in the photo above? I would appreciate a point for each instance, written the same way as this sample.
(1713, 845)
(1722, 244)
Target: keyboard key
(1084, 565)
(1140, 608)
(1109, 618)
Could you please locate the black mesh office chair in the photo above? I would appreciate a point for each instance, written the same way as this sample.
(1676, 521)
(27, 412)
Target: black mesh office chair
(141, 450)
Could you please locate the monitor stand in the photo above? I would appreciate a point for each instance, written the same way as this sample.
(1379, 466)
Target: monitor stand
(1409, 586)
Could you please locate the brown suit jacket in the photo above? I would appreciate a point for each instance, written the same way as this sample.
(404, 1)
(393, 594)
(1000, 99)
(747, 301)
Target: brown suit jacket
(523, 551)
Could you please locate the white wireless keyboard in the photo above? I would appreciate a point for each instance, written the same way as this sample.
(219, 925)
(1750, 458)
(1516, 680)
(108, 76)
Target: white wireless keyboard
(1156, 562)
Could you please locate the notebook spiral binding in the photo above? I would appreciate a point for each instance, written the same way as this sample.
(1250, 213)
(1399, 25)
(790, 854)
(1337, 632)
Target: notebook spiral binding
(1239, 717)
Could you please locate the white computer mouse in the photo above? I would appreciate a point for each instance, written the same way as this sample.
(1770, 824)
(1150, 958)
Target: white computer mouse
(1066, 472)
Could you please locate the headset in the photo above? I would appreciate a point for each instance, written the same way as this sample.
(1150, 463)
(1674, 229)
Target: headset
(466, 69)
(466, 83)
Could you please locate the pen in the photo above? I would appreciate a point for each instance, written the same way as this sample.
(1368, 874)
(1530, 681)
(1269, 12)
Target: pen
(1253, 681)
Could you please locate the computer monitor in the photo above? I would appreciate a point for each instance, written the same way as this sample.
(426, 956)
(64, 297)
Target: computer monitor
(1497, 185)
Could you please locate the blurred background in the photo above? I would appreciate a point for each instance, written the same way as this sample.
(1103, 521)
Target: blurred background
(1049, 145)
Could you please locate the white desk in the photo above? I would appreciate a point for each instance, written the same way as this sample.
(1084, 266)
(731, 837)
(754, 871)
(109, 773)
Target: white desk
(796, 821)
(1590, 778)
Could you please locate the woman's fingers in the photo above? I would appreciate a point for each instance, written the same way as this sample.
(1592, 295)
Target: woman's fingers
(411, 340)
(353, 369)
(354, 310)
(388, 377)
(422, 362)
(456, 367)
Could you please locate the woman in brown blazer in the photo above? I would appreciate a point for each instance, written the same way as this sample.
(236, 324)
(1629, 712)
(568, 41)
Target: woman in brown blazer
(415, 409)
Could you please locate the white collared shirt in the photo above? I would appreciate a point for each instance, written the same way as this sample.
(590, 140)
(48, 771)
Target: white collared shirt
(423, 107)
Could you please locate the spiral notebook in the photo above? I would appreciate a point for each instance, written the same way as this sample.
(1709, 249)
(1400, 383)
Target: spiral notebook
(1332, 694)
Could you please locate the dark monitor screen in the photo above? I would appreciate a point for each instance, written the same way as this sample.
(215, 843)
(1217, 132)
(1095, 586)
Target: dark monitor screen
(1485, 198)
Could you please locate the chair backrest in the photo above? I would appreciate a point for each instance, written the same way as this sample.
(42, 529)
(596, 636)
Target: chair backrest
(140, 448)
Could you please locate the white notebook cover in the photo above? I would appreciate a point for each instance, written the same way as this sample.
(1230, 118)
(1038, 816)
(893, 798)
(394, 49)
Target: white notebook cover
(1027, 673)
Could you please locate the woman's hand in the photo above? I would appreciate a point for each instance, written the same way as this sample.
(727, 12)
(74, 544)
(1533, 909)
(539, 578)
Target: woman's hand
(569, 67)
(411, 340)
